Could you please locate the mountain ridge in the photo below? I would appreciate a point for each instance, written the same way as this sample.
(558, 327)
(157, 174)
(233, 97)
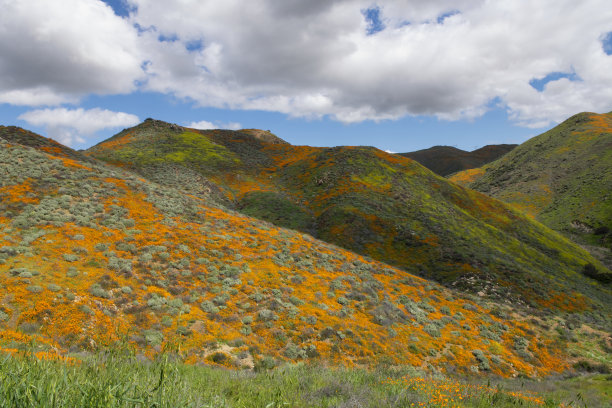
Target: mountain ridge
(446, 160)
(381, 205)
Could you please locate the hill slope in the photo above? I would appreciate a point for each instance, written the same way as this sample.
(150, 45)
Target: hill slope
(446, 160)
(384, 206)
(90, 255)
(562, 177)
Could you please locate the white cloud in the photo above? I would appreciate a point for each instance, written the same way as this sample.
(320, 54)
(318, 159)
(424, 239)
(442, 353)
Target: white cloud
(204, 124)
(57, 51)
(232, 125)
(70, 126)
(315, 58)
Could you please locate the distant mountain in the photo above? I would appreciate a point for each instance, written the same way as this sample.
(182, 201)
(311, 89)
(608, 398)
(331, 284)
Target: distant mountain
(562, 177)
(446, 160)
(92, 254)
(384, 206)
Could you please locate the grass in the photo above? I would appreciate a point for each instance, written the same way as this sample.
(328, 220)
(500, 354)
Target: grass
(118, 378)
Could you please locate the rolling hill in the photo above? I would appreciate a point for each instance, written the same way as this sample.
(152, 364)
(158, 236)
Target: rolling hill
(446, 160)
(383, 206)
(563, 178)
(92, 255)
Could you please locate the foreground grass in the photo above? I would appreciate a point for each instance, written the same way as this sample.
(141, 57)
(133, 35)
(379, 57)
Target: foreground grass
(121, 380)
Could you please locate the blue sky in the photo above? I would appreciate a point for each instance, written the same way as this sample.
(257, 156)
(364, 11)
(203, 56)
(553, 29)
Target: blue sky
(398, 75)
(401, 135)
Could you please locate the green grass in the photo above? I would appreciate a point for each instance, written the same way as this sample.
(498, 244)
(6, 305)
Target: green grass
(120, 379)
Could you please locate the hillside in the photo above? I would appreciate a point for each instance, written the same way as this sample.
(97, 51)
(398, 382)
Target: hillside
(446, 160)
(383, 206)
(562, 177)
(91, 255)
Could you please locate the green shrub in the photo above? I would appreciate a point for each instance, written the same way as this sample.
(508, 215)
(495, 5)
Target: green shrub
(72, 272)
(293, 352)
(266, 315)
(266, 363)
(153, 337)
(592, 272)
(432, 330)
(590, 367)
(100, 247)
(70, 257)
(97, 290)
(208, 307)
(219, 357)
(482, 360)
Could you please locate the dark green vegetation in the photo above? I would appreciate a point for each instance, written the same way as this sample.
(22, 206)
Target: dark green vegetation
(118, 379)
(384, 206)
(277, 209)
(562, 177)
(446, 160)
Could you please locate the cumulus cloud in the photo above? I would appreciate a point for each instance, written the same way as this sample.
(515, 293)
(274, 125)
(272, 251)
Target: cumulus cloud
(452, 59)
(204, 124)
(57, 51)
(70, 126)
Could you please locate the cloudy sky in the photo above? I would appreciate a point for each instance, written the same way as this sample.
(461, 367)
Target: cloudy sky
(397, 74)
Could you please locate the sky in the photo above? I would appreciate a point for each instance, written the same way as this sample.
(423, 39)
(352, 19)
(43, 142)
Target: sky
(400, 75)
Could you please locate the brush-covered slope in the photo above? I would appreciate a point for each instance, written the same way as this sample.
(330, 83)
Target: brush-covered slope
(446, 160)
(384, 206)
(562, 177)
(14, 134)
(91, 254)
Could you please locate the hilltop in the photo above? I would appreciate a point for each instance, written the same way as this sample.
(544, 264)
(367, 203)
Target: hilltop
(446, 160)
(563, 178)
(92, 254)
(380, 205)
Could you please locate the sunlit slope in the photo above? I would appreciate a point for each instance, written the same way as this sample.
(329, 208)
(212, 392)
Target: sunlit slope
(446, 160)
(562, 177)
(384, 206)
(90, 254)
